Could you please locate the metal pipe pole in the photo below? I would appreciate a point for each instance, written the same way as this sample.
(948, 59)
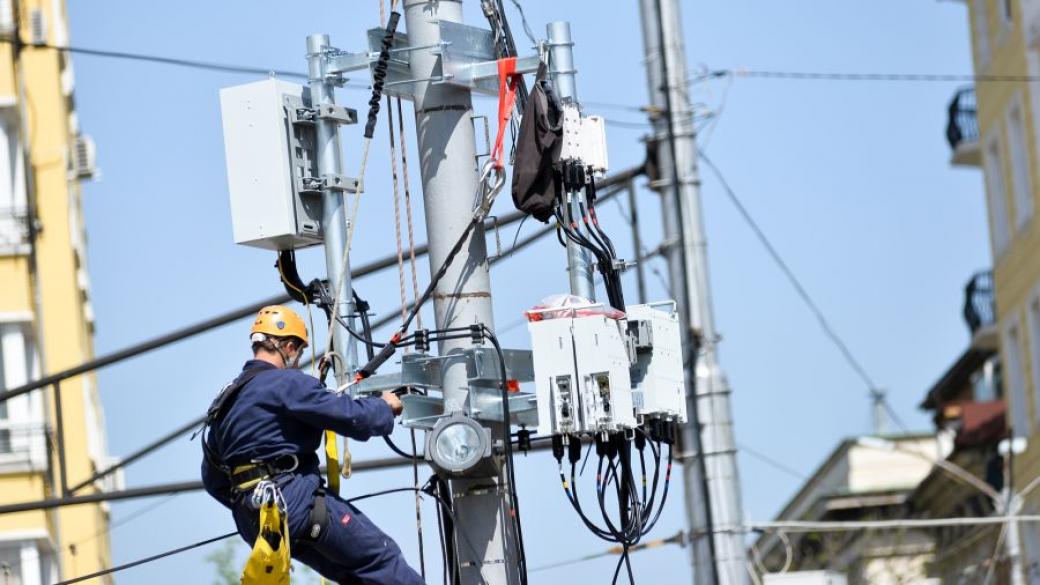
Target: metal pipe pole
(1012, 503)
(1013, 546)
(562, 73)
(447, 153)
(333, 216)
(637, 240)
(679, 185)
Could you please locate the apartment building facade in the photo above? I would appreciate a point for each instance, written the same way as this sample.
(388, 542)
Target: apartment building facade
(46, 321)
(1002, 142)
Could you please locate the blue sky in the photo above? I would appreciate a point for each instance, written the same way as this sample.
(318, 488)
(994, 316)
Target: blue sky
(850, 180)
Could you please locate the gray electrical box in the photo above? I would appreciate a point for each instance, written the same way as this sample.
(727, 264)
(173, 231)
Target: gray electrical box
(272, 176)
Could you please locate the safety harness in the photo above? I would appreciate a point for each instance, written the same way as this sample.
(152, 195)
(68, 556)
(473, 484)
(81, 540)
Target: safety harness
(268, 562)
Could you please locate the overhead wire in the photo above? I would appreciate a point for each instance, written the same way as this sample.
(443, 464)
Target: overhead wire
(855, 76)
(793, 279)
(773, 462)
(419, 490)
(145, 560)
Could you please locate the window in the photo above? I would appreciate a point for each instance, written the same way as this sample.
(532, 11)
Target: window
(1021, 188)
(980, 24)
(21, 429)
(997, 194)
(985, 381)
(27, 562)
(1034, 345)
(11, 566)
(1020, 420)
(14, 233)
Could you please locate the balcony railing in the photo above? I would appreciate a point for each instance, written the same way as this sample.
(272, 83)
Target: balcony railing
(979, 307)
(962, 128)
(23, 446)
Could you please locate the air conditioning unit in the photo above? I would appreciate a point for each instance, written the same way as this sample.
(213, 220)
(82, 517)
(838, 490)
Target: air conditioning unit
(38, 27)
(84, 157)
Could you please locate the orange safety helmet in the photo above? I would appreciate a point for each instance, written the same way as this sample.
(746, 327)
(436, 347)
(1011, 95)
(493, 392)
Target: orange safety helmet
(280, 321)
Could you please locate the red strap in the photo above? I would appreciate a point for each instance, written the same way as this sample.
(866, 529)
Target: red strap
(508, 80)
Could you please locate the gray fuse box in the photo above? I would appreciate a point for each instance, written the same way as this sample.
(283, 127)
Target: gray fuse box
(272, 176)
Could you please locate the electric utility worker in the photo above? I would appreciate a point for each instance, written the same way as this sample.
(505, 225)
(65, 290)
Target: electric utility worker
(267, 425)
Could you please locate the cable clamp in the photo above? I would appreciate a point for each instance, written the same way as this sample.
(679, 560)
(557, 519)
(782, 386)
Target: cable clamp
(338, 114)
(330, 181)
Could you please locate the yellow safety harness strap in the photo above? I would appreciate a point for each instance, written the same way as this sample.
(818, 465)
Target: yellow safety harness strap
(332, 461)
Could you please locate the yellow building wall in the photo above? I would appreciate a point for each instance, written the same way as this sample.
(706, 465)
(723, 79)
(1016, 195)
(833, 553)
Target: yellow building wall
(1017, 268)
(65, 336)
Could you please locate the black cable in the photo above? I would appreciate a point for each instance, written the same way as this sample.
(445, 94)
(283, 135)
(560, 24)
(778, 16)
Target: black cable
(362, 307)
(379, 73)
(206, 65)
(132, 564)
(628, 565)
(368, 343)
(393, 447)
(617, 570)
(508, 444)
(388, 350)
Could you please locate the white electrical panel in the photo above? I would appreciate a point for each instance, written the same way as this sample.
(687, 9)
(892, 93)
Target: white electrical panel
(584, 139)
(571, 133)
(594, 143)
(581, 375)
(658, 383)
(263, 144)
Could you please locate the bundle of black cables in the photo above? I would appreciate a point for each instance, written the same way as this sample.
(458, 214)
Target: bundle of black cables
(574, 179)
(638, 508)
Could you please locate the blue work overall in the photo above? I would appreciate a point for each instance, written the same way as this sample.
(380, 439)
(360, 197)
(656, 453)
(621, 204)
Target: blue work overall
(280, 413)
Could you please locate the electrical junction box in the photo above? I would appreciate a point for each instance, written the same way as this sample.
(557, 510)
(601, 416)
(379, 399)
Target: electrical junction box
(658, 379)
(581, 374)
(584, 139)
(270, 165)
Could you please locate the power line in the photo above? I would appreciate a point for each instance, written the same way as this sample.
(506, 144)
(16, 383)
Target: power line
(773, 462)
(111, 570)
(850, 76)
(800, 289)
(897, 524)
(174, 61)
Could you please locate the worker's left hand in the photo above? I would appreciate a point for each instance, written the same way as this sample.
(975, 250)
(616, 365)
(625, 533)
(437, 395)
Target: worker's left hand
(395, 403)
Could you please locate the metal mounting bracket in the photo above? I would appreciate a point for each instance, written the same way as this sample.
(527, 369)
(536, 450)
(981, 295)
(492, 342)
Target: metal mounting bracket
(338, 114)
(329, 181)
(485, 394)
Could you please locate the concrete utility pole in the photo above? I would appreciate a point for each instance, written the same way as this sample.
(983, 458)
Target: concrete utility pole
(334, 221)
(709, 457)
(562, 73)
(447, 152)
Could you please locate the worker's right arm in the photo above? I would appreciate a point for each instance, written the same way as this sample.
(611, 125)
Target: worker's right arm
(312, 403)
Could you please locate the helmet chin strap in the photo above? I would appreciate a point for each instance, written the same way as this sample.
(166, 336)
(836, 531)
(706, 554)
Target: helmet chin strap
(285, 356)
